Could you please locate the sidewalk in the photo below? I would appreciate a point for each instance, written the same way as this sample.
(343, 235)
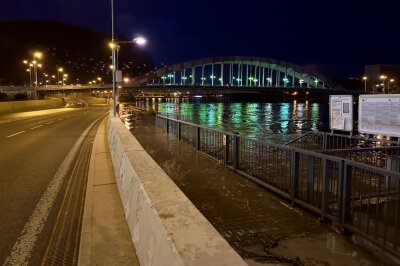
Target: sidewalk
(105, 238)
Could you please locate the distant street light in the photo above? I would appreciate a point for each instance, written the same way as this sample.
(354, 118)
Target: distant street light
(60, 70)
(25, 62)
(383, 77)
(365, 83)
(65, 76)
(390, 81)
(36, 55)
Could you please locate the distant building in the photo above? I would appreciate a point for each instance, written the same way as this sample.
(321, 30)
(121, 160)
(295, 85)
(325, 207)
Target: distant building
(374, 73)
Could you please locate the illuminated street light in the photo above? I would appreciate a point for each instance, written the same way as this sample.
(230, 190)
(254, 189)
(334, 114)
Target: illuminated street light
(59, 70)
(383, 77)
(390, 81)
(114, 47)
(36, 55)
(65, 76)
(25, 62)
(365, 83)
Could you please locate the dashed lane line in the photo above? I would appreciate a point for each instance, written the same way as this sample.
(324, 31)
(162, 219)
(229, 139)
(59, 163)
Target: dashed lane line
(9, 136)
(51, 122)
(37, 127)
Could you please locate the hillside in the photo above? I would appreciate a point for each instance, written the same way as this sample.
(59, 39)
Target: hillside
(83, 54)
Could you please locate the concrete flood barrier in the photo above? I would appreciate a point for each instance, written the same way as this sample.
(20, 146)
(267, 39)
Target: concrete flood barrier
(166, 228)
(31, 105)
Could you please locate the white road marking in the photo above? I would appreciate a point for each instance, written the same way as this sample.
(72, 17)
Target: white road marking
(51, 122)
(16, 134)
(26, 242)
(60, 119)
(37, 127)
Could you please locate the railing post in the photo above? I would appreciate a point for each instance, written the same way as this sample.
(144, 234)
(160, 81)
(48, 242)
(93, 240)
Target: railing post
(167, 125)
(346, 193)
(325, 141)
(340, 192)
(236, 151)
(226, 149)
(179, 130)
(197, 138)
(310, 177)
(294, 174)
(325, 186)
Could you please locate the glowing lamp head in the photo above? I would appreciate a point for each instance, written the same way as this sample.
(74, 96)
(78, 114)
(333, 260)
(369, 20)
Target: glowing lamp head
(364, 78)
(139, 40)
(37, 55)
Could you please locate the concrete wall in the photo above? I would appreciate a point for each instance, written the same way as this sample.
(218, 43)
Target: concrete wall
(166, 228)
(22, 106)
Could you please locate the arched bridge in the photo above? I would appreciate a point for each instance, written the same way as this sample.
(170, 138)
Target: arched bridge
(237, 71)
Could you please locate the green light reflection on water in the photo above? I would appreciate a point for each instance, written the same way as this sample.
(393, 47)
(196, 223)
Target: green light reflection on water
(314, 116)
(284, 114)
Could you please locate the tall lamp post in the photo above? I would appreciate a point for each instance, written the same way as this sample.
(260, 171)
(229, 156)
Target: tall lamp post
(390, 81)
(114, 47)
(36, 55)
(365, 83)
(60, 70)
(383, 77)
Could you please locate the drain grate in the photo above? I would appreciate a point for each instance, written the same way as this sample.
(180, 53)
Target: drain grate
(63, 248)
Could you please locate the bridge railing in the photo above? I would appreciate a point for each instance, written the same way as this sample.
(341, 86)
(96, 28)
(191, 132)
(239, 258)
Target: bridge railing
(362, 198)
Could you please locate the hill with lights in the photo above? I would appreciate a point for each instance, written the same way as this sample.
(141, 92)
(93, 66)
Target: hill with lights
(83, 53)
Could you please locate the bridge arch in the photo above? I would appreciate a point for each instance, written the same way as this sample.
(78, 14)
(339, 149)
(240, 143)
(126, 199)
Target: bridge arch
(237, 71)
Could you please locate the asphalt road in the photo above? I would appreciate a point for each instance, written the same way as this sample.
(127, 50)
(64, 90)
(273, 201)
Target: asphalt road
(31, 152)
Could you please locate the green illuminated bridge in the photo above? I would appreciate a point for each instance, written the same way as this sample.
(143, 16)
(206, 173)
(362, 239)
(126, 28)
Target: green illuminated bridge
(237, 71)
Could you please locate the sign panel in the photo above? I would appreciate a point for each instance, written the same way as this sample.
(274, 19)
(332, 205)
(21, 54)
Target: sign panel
(379, 114)
(341, 112)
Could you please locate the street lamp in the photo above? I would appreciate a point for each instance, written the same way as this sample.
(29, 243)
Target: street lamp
(383, 77)
(60, 70)
(36, 55)
(65, 76)
(365, 83)
(390, 81)
(113, 45)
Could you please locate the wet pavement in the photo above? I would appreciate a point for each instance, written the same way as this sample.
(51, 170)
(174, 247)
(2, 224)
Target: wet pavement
(259, 225)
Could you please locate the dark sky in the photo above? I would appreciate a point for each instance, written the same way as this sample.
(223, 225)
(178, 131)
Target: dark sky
(337, 37)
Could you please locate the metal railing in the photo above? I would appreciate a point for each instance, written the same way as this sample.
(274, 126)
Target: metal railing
(362, 198)
(326, 141)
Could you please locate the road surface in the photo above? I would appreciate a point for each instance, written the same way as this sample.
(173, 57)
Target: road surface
(32, 184)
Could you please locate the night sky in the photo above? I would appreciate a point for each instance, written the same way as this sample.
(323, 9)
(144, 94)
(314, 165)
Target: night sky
(336, 37)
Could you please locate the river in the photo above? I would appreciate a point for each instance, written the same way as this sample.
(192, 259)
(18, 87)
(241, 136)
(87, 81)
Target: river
(272, 121)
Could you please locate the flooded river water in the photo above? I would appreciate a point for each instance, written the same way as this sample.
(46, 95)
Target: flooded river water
(274, 121)
(262, 227)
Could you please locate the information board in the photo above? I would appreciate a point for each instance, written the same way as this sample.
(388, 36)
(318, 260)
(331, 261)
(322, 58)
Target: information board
(379, 114)
(341, 112)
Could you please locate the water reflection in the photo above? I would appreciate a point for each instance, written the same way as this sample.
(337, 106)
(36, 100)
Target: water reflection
(274, 121)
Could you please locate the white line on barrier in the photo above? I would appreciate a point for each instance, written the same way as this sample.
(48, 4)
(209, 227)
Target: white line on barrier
(16, 134)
